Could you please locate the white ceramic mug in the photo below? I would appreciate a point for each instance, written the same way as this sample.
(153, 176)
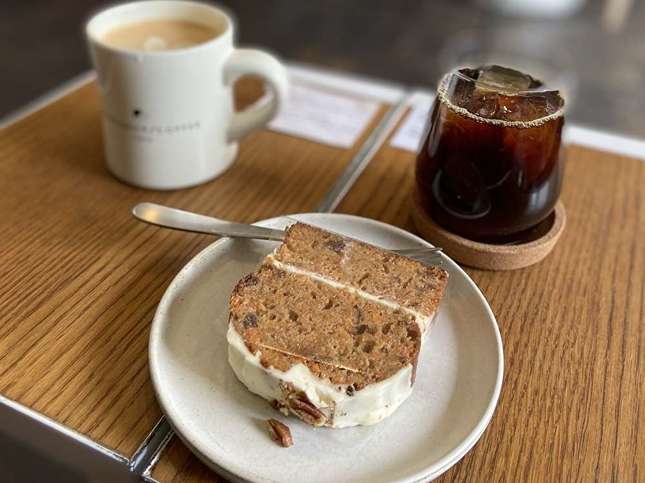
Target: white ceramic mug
(168, 116)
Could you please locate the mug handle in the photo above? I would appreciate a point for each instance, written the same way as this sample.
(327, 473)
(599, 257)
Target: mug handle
(249, 61)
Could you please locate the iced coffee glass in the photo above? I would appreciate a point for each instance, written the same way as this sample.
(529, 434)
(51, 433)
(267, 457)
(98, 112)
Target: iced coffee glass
(490, 167)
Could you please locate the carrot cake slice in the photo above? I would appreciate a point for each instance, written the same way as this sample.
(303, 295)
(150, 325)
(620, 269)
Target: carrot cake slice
(330, 328)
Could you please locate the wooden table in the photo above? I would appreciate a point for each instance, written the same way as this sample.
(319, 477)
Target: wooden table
(81, 280)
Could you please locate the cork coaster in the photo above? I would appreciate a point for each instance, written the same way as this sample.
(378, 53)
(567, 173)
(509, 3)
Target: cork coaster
(489, 256)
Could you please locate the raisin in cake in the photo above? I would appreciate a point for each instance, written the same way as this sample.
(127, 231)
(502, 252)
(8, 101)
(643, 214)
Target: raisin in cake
(330, 328)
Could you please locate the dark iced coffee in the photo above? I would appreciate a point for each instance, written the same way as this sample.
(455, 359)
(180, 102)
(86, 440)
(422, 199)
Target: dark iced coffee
(490, 167)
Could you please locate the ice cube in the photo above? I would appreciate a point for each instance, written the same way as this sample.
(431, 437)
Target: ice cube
(504, 79)
(484, 104)
(495, 92)
(537, 105)
(553, 101)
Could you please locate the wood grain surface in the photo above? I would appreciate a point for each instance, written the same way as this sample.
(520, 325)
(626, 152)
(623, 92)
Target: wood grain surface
(572, 404)
(80, 278)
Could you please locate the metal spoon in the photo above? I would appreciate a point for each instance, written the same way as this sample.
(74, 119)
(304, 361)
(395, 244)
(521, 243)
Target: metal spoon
(176, 219)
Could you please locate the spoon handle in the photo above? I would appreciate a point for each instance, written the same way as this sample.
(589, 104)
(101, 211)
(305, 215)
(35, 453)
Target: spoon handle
(167, 217)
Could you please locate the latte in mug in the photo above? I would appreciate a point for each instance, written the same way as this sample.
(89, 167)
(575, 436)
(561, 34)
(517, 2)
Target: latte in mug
(166, 70)
(159, 34)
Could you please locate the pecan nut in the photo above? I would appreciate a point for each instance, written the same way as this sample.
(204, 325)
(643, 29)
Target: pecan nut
(280, 433)
(336, 246)
(250, 320)
(306, 411)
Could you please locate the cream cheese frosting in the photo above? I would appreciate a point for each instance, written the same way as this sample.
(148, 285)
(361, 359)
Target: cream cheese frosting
(365, 407)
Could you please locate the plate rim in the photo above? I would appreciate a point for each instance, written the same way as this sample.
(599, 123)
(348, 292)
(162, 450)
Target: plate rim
(433, 471)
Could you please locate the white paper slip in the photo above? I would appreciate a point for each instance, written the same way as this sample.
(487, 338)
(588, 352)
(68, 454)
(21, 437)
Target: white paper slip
(323, 117)
(411, 132)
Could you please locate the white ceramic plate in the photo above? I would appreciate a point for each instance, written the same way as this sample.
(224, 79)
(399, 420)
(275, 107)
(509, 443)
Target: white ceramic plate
(457, 386)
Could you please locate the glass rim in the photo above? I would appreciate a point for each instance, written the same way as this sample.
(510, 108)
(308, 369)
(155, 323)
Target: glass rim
(444, 97)
(541, 89)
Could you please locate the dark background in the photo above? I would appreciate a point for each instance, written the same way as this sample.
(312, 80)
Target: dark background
(42, 45)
